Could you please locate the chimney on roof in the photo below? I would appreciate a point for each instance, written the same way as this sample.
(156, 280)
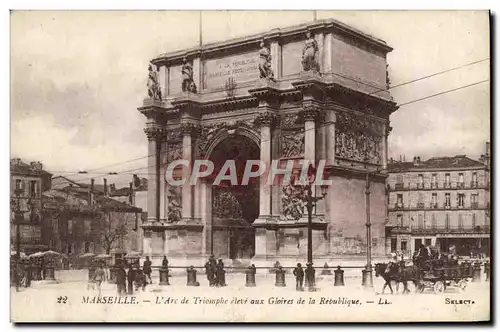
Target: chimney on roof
(418, 160)
(105, 187)
(415, 161)
(131, 197)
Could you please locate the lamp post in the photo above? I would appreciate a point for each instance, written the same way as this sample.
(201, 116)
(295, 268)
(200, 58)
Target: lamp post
(367, 272)
(311, 202)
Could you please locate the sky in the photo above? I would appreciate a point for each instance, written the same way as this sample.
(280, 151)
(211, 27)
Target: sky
(77, 79)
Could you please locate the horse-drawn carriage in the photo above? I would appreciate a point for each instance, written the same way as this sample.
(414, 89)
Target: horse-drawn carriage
(429, 270)
(438, 272)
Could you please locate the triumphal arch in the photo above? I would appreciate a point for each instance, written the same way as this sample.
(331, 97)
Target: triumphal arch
(317, 91)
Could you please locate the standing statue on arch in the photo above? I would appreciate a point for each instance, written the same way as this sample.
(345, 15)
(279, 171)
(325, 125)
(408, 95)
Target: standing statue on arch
(154, 90)
(310, 54)
(188, 84)
(265, 62)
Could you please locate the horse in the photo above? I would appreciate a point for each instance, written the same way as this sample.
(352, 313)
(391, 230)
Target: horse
(399, 275)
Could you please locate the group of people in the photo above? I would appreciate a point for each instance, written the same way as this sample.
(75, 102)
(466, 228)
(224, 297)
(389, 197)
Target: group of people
(215, 272)
(126, 281)
(299, 274)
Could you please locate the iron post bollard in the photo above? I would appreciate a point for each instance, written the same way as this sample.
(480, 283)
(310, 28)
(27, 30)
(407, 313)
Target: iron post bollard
(339, 277)
(363, 281)
(164, 277)
(48, 273)
(250, 277)
(487, 270)
(367, 280)
(280, 277)
(191, 277)
(476, 272)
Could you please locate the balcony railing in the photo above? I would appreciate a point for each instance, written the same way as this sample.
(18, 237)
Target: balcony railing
(447, 185)
(485, 229)
(420, 186)
(474, 205)
(447, 206)
(420, 205)
(474, 184)
(434, 185)
(434, 205)
(460, 185)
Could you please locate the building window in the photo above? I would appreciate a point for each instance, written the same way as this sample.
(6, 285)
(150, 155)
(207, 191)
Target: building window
(428, 242)
(32, 192)
(447, 183)
(447, 221)
(394, 245)
(420, 183)
(474, 201)
(69, 249)
(474, 180)
(460, 180)
(400, 220)
(460, 221)
(399, 201)
(434, 201)
(418, 243)
(18, 184)
(433, 221)
(447, 200)
(404, 246)
(420, 203)
(420, 221)
(434, 181)
(399, 182)
(87, 247)
(461, 200)
(473, 220)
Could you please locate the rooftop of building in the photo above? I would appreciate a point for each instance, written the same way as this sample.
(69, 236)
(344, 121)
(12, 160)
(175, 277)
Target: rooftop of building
(34, 168)
(456, 162)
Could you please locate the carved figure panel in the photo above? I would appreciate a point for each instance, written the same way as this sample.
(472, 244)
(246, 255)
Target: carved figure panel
(358, 138)
(225, 204)
(265, 62)
(210, 131)
(174, 204)
(290, 121)
(174, 152)
(292, 143)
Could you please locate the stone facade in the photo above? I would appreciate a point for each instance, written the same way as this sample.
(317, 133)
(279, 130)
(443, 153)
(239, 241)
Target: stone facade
(340, 114)
(442, 201)
(29, 181)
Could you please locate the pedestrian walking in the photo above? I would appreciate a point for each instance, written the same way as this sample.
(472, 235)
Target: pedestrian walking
(220, 274)
(121, 280)
(298, 272)
(130, 279)
(146, 268)
(99, 277)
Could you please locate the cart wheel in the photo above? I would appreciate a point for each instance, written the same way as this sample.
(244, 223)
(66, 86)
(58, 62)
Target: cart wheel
(439, 287)
(421, 287)
(462, 284)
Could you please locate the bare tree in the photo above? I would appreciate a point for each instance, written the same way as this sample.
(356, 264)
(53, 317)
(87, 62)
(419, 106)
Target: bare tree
(112, 231)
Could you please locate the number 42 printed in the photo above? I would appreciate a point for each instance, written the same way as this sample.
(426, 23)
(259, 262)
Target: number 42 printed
(62, 299)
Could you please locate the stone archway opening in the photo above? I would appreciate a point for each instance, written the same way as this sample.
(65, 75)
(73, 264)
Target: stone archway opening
(234, 207)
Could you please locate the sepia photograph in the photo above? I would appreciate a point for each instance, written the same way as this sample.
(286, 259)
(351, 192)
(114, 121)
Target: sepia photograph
(250, 166)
